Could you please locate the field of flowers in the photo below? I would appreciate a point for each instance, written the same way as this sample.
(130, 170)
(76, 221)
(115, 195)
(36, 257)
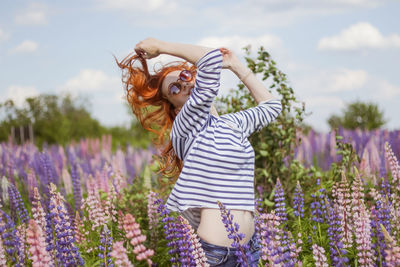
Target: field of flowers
(86, 205)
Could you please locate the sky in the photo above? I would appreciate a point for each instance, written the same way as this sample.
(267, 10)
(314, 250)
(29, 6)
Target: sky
(333, 52)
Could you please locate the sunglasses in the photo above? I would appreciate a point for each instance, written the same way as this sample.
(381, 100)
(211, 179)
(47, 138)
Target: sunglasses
(184, 76)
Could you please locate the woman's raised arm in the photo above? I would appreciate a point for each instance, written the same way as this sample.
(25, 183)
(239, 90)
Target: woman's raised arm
(152, 47)
(257, 89)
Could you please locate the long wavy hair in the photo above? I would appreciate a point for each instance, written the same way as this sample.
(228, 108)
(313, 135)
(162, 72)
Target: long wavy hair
(155, 113)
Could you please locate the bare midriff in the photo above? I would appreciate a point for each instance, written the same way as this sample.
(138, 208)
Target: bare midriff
(212, 230)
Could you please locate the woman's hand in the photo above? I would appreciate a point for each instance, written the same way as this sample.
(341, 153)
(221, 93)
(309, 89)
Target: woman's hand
(229, 59)
(148, 48)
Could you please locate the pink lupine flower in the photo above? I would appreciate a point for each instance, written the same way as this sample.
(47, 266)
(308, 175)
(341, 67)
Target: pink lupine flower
(38, 213)
(79, 236)
(362, 227)
(319, 256)
(392, 257)
(152, 210)
(393, 165)
(133, 232)
(36, 240)
(341, 198)
(66, 177)
(93, 205)
(270, 238)
(119, 254)
(198, 252)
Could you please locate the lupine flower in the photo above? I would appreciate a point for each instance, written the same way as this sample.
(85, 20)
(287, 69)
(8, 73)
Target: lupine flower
(17, 204)
(298, 201)
(170, 229)
(119, 254)
(394, 166)
(152, 210)
(22, 246)
(38, 213)
(11, 241)
(58, 222)
(37, 245)
(362, 226)
(341, 197)
(193, 241)
(335, 235)
(32, 183)
(234, 234)
(280, 208)
(318, 207)
(79, 235)
(392, 250)
(105, 247)
(319, 256)
(133, 232)
(119, 182)
(3, 259)
(67, 181)
(93, 205)
(76, 184)
(270, 234)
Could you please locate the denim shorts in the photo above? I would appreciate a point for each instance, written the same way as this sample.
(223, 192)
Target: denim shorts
(225, 256)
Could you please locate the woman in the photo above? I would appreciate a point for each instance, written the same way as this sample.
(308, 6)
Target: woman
(210, 154)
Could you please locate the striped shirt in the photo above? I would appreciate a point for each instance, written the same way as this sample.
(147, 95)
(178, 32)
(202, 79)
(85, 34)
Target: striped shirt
(218, 158)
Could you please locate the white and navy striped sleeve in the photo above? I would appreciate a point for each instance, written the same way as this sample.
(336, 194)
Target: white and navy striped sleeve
(194, 113)
(254, 119)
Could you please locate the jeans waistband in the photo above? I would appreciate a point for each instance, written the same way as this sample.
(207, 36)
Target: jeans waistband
(253, 240)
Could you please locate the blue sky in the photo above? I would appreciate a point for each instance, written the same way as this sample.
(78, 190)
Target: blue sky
(333, 51)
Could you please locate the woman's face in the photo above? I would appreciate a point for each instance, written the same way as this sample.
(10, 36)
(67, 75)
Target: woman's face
(178, 99)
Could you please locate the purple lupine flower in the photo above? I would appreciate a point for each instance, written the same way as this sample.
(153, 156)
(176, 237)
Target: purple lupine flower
(279, 198)
(17, 205)
(192, 240)
(105, 247)
(233, 233)
(185, 244)
(76, 185)
(32, 183)
(11, 241)
(318, 206)
(60, 235)
(170, 229)
(380, 244)
(335, 235)
(298, 201)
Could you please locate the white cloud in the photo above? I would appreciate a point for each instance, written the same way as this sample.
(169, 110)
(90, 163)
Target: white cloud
(237, 42)
(326, 102)
(19, 93)
(27, 46)
(358, 36)
(346, 80)
(3, 35)
(92, 81)
(387, 90)
(35, 14)
(138, 5)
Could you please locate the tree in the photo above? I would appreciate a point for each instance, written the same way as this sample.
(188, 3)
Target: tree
(364, 116)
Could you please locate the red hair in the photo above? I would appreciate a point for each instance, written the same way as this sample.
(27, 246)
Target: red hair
(155, 113)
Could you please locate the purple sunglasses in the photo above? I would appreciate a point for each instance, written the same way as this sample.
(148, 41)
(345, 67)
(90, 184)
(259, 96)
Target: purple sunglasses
(184, 76)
